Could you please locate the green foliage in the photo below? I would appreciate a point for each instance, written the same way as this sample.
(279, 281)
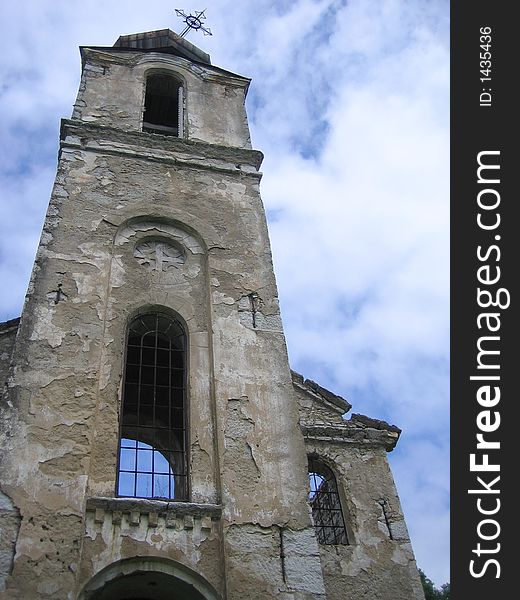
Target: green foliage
(431, 592)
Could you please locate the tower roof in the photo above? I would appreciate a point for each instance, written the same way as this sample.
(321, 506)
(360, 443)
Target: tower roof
(163, 40)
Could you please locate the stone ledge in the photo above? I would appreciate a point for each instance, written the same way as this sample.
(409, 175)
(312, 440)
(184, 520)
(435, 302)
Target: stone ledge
(174, 515)
(79, 134)
(348, 434)
(162, 507)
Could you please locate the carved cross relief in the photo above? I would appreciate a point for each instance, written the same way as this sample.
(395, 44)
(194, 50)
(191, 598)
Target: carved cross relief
(156, 255)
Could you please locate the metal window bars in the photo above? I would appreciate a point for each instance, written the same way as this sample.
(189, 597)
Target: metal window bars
(325, 502)
(152, 448)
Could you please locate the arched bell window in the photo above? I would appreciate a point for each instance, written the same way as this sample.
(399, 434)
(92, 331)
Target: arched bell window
(325, 502)
(152, 447)
(163, 105)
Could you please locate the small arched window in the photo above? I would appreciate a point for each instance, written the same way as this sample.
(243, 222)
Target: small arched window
(325, 502)
(163, 105)
(152, 447)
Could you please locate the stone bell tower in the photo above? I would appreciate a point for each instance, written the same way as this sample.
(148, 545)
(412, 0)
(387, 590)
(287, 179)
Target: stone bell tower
(155, 443)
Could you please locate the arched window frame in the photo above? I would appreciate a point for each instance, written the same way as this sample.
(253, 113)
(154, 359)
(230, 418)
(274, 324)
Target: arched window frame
(151, 439)
(330, 517)
(159, 128)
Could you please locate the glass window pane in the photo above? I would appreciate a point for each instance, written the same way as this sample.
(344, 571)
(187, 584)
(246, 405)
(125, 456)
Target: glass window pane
(126, 443)
(126, 484)
(144, 485)
(144, 461)
(160, 464)
(161, 486)
(127, 459)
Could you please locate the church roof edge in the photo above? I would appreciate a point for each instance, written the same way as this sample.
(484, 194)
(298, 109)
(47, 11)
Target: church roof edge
(324, 394)
(162, 40)
(8, 325)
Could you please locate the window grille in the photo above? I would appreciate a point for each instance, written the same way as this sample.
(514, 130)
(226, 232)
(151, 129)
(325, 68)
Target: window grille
(325, 502)
(152, 448)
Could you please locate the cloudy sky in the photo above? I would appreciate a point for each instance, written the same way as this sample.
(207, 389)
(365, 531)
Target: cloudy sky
(349, 103)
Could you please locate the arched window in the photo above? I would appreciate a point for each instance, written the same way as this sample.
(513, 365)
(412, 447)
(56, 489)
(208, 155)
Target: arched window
(325, 502)
(163, 105)
(152, 448)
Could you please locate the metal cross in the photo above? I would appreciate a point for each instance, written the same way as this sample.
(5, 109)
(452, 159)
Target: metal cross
(193, 22)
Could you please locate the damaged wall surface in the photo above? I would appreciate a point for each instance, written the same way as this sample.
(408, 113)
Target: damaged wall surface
(142, 224)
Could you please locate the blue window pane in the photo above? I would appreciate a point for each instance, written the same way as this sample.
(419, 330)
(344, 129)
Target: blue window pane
(143, 445)
(126, 484)
(144, 461)
(144, 485)
(161, 486)
(126, 443)
(315, 481)
(127, 459)
(160, 463)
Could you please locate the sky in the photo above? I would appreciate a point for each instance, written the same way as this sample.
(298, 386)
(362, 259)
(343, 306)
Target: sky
(350, 105)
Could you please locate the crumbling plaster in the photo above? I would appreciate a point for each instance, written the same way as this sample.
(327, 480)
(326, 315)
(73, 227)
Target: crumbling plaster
(8, 331)
(378, 562)
(87, 284)
(213, 113)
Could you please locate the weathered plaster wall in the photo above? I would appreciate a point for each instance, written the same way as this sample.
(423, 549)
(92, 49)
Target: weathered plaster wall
(7, 337)
(114, 198)
(9, 526)
(113, 86)
(118, 528)
(378, 563)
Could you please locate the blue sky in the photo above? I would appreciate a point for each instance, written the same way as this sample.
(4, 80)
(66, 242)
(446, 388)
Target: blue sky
(349, 103)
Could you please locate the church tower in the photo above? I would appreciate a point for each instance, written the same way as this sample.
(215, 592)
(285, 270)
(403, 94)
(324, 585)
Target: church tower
(155, 443)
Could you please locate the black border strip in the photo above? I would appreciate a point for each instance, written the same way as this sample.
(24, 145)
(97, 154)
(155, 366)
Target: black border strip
(483, 123)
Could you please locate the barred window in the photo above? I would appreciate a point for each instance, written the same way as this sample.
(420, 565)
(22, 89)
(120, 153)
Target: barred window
(152, 448)
(325, 502)
(163, 105)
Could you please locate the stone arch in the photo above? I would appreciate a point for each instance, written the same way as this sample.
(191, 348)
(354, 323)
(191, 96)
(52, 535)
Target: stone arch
(148, 578)
(166, 68)
(157, 63)
(160, 245)
(154, 226)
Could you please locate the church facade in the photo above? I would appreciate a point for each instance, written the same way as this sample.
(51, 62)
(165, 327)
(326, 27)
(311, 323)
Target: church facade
(155, 443)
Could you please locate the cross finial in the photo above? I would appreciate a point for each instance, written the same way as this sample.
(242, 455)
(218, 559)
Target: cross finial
(193, 22)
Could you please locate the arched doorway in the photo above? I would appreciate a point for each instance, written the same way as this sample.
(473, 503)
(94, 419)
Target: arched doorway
(146, 578)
